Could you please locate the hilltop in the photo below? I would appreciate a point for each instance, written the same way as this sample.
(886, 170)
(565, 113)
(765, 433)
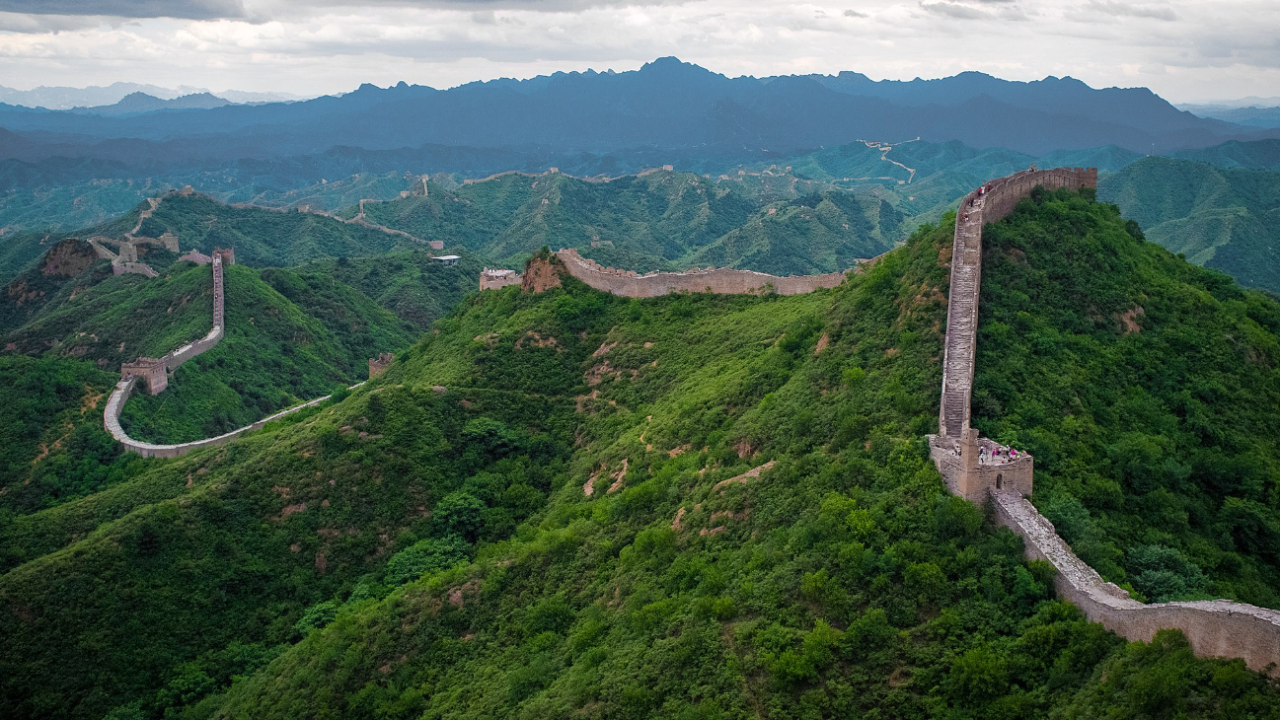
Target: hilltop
(570, 502)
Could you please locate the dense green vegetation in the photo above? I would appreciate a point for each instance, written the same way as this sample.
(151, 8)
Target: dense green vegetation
(569, 527)
(51, 429)
(658, 220)
(1147, 389)
(410, 284)
(289, 337)
(278, 349)
(1226, 219)
(264, 237)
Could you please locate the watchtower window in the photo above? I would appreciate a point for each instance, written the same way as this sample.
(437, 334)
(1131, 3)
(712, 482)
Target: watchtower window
(999, 481)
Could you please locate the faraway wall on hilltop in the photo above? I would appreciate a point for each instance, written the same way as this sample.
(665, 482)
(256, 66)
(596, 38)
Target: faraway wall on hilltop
(1215, 628)
(722, 281)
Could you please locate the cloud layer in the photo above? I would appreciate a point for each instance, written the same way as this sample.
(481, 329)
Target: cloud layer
(1184, 50)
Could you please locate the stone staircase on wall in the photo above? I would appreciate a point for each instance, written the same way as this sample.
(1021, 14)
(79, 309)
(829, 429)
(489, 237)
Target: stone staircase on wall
(1217, 628)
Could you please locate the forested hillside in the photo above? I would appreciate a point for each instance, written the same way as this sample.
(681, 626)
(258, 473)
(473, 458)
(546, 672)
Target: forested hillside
(1226, 219)
(658, 220)
(1153, 428)
(410, 284)
(289, 337)
(570, 503)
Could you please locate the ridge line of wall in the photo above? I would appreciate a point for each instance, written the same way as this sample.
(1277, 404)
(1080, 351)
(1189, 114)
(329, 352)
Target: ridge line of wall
(723, 281)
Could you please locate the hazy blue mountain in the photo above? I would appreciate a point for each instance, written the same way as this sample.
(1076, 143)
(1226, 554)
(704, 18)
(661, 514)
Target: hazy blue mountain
(669, 105)
(140, 102)
(1264, 117)
(1226, 219)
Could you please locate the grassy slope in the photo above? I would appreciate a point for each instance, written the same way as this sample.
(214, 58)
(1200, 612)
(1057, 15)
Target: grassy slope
(279, 348)
(1223, 219)
(51, 429)
(1155, 448)
(844, 581)
(277, 351)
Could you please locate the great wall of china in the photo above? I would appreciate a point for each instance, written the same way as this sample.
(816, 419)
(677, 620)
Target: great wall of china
(723, 281)
(626, 283)
(1215, 628)
(154, 373)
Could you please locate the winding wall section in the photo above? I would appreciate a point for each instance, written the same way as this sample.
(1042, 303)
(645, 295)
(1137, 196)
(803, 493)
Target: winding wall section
(1216, 628)
(722, 281)
(127, 384)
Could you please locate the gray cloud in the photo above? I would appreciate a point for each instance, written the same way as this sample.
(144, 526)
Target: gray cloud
(1101, 9)
(853, 14)
(186, 9)
(22, 23)
(1001, 10)
(527, 5)
(955, 10)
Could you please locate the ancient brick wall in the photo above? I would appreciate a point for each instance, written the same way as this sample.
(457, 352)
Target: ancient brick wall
(722, 281)
(155, 370)
(1216, 628)
(115, 404)
(991, 203)
(128, 383)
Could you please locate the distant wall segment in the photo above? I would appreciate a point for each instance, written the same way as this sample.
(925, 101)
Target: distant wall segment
(155, 372)
(1215, 628)
(723, 281)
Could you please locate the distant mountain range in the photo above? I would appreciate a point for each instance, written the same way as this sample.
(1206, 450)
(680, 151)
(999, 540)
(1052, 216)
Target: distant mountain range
(1226, 219)
(1254, 115)
(669, 106)
(139, 102)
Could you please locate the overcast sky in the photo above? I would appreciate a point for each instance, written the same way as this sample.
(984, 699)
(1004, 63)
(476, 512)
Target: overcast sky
(1185, 50)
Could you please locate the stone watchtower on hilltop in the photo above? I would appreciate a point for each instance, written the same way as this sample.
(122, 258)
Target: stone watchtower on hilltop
(153, 371)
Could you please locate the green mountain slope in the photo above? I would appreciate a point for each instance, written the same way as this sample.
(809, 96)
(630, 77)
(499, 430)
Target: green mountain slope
(278, 348)
(1222, 219)
(691, 506)
(410, 284)
(264, 237)
(658, 220)
(51, 428)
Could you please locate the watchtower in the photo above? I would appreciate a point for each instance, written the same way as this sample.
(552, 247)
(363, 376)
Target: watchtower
(228, 255)
(153, 372)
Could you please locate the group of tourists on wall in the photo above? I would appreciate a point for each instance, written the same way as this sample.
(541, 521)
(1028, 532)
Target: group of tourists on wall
(973, 200)
(999, 456)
